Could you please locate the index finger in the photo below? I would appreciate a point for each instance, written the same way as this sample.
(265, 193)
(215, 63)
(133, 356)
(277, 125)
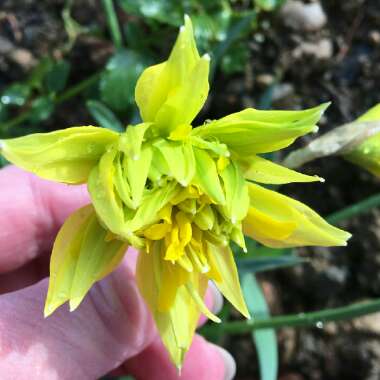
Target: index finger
(31, 212)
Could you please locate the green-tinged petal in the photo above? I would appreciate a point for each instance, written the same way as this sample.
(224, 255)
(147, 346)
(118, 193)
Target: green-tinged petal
(254, 131)
(121, 182)
(81, 256)
(372, 114)
(137, 173)
(177, 325)
(229, 283)
(260, 170)
(279, 221)
(66, 155)
(367, 154)
(236, 190)
(148, 212)
(186, 100)
(131, 141)
(98, 257)
(173, 92)
(179, 158)
(105, 199)
(206, 176)
(205, 218)
(213, 146)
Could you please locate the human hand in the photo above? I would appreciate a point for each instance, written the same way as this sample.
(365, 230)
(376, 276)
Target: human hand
(112, 329)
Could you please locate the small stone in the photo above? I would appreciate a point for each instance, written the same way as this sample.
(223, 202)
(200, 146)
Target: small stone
(281, 91)
(305, 17)
(374, 36)
(321, 50)
(265, 79)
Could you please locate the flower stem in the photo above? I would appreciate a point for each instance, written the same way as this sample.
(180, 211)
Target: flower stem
(113, 23)
(316, 318)
(355, 209)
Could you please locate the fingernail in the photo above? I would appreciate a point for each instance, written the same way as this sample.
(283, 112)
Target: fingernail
(229, 364)
(217, 298)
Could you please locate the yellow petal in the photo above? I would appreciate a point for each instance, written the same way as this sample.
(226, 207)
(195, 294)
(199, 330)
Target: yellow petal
(176, 326)
(279, 221)
(229, 283)
(254, 131)
(81, 255)
(157, 231)
(173, 92)
(66, 155)
(260, 170)
(106, 201)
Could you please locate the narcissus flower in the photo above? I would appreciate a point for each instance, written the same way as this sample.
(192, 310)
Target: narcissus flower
(178, 194)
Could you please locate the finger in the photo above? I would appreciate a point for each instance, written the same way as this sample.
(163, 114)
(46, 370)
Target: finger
(204, 361)
(31, 212)
(110, 326)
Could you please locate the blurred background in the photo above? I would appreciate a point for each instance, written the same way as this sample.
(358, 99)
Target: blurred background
(67, 63)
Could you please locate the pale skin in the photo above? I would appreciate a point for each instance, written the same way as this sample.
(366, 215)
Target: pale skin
(112, 331)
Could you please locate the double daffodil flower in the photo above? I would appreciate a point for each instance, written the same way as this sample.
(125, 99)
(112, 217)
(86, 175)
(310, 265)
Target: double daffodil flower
(178, 194)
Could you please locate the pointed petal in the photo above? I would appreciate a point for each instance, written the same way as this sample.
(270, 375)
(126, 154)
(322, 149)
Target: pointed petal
(137, 173)
(260, 170)
(66, 155)
(207, 177)
(253, 131)
(106, 201)
(81, 256)
(236, 190)
(179, 158)
(98, 257)
(173, 92)
(177, 325)
(229, 283)
(279, 221)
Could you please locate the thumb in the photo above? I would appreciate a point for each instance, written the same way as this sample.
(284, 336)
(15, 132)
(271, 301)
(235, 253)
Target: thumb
(110, 326)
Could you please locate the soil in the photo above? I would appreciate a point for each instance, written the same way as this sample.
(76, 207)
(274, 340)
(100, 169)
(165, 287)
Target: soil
(289, 68)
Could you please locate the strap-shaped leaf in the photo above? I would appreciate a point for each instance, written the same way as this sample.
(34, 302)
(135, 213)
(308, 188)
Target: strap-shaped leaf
(278, 221)
(81, 256)
(254, 131)
(66, 156)
(172, 93)
(260, 170)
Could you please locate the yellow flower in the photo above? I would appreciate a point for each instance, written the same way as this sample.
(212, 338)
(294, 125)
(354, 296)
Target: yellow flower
(179, 195)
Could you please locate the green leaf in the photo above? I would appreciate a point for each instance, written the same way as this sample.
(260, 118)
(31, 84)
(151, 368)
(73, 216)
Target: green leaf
(16, 95)
(265, 339)
(117, 84)
(255, 265)
(104, 116)
(56, 77)
(3, 112)
(268, 5)
(38, 74)
(41, 109)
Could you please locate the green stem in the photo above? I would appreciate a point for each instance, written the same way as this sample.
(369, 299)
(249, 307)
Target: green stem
(316, 318)
(113, 23)
(15, 121)
(69, 93)
(355, 209)
(78, 88)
